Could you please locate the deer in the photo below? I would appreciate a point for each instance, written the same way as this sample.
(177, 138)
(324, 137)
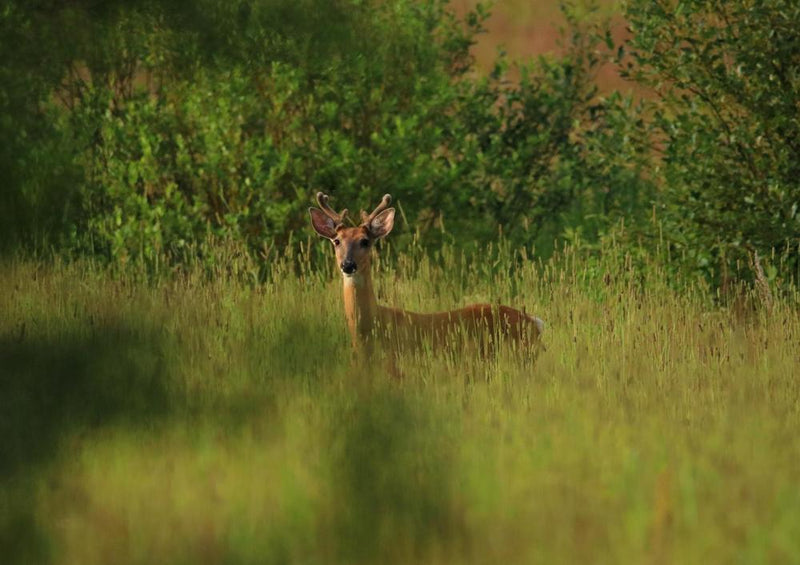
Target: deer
(395, 329)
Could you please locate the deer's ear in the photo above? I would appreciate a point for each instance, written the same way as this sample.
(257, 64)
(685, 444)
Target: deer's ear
(322, 224)
(382, 224)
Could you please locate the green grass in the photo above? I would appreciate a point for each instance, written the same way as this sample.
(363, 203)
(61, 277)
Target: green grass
(204, 418)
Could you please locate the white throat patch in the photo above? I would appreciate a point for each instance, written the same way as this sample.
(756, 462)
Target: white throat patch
(356, 279)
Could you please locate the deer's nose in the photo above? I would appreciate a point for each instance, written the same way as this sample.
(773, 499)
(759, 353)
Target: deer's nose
(348, 267)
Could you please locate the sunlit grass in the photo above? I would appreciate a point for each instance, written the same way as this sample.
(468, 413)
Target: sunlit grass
(208, 418)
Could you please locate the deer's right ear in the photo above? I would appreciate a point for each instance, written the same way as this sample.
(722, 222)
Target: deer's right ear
(322, 223)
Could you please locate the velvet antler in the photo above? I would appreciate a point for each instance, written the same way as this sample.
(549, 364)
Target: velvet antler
(338, 218)
(385, 201)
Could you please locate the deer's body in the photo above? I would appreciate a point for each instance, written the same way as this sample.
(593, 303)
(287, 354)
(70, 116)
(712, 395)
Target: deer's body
(399, 329)
(367, 320)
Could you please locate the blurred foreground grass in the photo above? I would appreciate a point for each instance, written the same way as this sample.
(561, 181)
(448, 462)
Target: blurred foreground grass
(205, 418)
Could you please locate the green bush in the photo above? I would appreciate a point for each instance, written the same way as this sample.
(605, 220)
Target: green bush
(142, 130)
(223, 120)
(726, 120)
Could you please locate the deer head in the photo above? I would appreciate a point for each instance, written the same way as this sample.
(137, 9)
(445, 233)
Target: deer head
(352, 245)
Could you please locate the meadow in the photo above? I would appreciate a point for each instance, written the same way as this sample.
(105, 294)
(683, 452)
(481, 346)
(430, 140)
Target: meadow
(214, 415)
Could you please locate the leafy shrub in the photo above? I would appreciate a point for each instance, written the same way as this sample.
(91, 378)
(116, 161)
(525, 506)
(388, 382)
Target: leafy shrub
(726, 118)
(190, 121)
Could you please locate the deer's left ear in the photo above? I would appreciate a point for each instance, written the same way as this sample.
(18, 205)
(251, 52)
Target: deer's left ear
(382, 224)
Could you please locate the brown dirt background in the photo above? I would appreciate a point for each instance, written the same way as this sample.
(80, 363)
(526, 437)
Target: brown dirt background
(529, 28)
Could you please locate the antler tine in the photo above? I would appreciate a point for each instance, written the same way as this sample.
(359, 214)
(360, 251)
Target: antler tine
(385, 201)
(322, 200)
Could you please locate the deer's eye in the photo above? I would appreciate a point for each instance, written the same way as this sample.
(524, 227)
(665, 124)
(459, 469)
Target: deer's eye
(364, 243)
(336, 242)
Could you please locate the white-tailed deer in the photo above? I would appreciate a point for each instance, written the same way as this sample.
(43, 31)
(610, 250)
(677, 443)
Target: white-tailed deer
(399, 329)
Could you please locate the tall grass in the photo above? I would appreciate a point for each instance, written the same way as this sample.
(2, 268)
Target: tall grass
(207, 417)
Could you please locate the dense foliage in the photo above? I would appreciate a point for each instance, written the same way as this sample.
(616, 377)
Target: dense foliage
(727, 124)
(162, 125)
(144, 129)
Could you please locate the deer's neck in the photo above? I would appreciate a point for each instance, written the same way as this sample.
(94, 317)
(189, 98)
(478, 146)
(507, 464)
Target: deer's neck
(360, 305)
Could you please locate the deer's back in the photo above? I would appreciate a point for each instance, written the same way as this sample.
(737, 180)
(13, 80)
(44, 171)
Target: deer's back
(477, 321)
